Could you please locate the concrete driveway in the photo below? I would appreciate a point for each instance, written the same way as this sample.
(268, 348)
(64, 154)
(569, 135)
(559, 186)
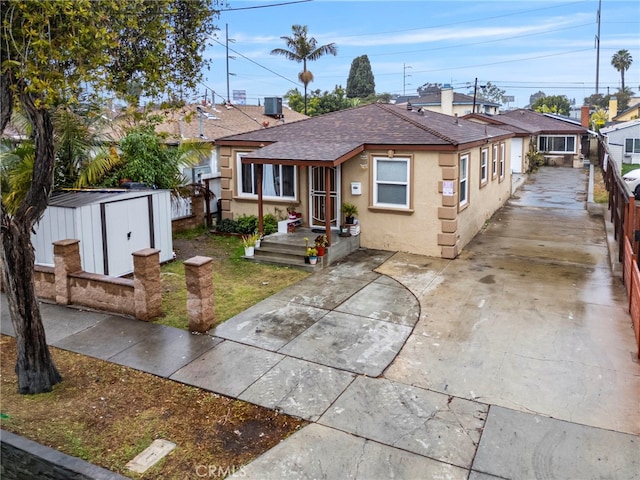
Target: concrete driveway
(521, 365)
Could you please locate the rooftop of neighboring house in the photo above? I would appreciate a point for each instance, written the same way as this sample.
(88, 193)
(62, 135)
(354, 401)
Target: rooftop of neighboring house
(338, 135)
(630, 112)
(534, 123)
(209, 122)
(620, 126)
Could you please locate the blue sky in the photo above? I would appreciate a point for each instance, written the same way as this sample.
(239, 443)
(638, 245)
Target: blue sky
(522, 47)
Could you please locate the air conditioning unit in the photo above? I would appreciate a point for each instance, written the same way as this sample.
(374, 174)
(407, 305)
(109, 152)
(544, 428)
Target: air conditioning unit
(194, 174)
(273, 106)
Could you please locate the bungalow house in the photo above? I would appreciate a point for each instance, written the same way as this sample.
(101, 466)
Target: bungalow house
(207, 122)
(623, 140)
(423, 182)
(561, 142)
(452, 103)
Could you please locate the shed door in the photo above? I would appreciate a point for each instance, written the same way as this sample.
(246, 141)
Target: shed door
(126, 229)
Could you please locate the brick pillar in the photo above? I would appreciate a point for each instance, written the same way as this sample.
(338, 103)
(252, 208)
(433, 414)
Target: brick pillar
(66, 260)
(147, 291)
(200, 301)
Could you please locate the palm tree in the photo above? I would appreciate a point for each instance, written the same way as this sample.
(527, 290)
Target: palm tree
(621, 61)
(301, 49)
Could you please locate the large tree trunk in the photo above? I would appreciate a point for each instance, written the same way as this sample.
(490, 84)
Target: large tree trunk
(35, 368)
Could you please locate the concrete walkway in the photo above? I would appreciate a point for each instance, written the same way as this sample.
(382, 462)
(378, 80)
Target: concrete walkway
(515, 360)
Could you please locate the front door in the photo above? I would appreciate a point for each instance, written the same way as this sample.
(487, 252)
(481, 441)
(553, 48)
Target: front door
(317, 201)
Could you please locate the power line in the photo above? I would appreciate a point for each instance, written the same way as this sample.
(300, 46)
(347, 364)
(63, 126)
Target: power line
(264, 6)
(481, 42)
(474, 20)
(256, 63)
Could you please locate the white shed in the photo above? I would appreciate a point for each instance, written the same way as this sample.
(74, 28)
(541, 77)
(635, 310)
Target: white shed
(110, 224)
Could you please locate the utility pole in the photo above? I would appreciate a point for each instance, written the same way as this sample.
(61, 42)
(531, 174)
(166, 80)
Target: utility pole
(475, 91)
(598, 49)
(228, 57)
(404, 79)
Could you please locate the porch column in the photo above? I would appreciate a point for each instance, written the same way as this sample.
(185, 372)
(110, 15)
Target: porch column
(327, 203)
(259, 168)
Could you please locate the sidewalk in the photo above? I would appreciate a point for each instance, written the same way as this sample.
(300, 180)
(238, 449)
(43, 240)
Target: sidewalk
(513, 361)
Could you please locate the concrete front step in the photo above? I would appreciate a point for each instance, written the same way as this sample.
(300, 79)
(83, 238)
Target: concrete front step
(293, 261)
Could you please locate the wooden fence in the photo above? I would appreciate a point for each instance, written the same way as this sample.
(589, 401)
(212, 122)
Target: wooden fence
(625, 217)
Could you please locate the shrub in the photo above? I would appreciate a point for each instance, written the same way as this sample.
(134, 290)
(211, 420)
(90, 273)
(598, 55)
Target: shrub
(247, 224)
(227, 226)
(270, 224)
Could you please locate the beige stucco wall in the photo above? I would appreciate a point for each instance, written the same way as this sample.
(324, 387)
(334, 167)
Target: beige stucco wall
(413, 231)
(485, 200)
(435, 225)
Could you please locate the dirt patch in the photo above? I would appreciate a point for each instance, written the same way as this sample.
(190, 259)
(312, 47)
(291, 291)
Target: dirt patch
(107, 414)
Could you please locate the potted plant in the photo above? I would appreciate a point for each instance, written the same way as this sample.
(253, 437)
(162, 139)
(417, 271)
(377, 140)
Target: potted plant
(322, 242)
(249, 244)
(349, 210)
(312, 253)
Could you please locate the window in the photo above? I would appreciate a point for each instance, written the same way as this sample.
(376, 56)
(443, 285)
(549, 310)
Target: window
(391, 182)
(502, 160)
(632, 145)
(484, 166)
(278, 181)
(494, 162)
(557, 143)
(464, 179)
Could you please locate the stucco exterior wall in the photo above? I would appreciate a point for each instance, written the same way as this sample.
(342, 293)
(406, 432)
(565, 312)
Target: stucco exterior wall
(485, 200)
(434, 225)
(413, 231)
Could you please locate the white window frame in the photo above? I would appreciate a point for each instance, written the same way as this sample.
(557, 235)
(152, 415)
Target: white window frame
(463, 180)
(494, 161)
(547, 138)
(241, 193)
(502, 162)
(635, 145)
(484, 166)
(406, 183)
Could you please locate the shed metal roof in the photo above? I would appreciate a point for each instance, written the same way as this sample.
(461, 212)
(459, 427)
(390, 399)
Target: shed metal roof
(81, 198)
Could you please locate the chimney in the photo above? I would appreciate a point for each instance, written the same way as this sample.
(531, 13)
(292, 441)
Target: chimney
(584, 116)
(446, 99)
(613, 108)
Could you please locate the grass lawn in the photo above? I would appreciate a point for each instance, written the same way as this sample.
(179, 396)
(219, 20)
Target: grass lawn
(107, 414)
(238, 284)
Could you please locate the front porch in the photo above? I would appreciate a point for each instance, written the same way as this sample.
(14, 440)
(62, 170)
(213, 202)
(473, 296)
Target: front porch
(289, 248)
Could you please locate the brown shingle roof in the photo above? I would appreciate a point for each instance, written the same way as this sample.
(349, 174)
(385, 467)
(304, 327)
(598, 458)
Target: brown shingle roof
(217, 121)
(337, 133)
(538, 123)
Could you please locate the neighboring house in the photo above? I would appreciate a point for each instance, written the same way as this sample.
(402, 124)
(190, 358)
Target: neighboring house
(423, 182)
(631, 113)
(623, 140)
(450, 103)
(560, 141)
(208, 122)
